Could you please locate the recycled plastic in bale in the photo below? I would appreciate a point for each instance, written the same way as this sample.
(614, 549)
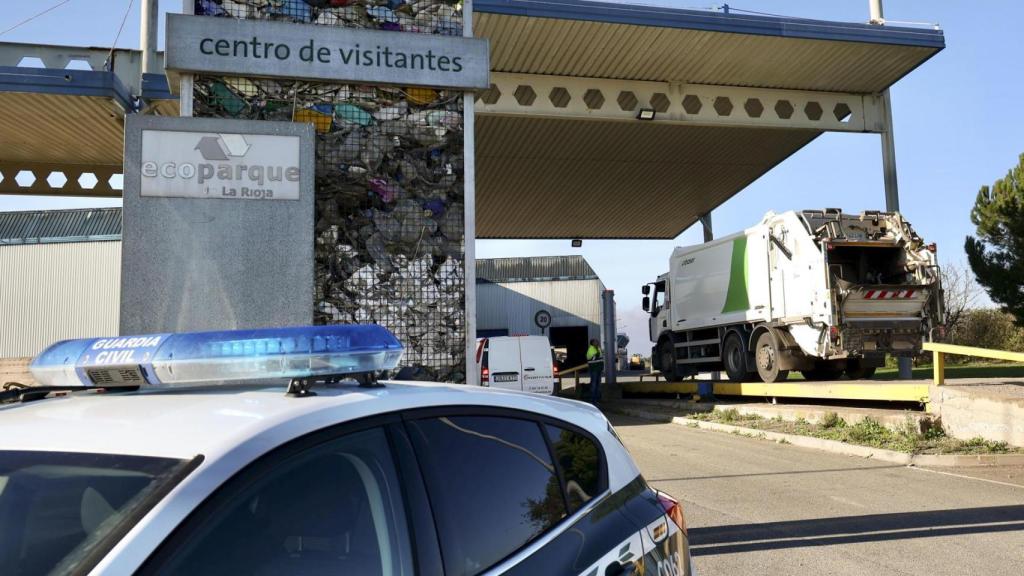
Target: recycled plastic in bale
(420, 16)
(390, 245)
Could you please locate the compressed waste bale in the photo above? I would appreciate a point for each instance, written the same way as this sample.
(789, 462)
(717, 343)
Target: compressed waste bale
(424, 16)
(390, 217)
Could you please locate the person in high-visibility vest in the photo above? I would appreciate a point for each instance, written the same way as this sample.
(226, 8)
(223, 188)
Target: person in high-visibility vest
(595, 362)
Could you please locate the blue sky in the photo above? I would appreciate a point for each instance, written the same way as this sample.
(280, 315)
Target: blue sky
(957, 121)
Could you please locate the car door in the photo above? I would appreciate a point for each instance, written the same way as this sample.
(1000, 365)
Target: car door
(517, 493)
(503, 360)
(334, 503)
(538, 367)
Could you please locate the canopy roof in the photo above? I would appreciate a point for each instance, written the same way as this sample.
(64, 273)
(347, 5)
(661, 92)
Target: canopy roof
(545, 177)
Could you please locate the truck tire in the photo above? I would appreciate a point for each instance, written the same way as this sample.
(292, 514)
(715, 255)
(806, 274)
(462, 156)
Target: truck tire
(766, 355)
(735, 359)
(667, 359)
(856, 370)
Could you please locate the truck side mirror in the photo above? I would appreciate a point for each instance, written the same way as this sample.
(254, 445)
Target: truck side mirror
(647, 304)
(646, 289)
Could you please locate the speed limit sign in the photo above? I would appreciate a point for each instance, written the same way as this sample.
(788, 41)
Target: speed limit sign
(542, 319)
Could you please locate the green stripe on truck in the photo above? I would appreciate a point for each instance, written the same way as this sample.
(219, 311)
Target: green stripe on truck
(736, 298)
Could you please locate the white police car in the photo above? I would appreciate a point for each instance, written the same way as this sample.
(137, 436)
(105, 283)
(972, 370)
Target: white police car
(186, 475)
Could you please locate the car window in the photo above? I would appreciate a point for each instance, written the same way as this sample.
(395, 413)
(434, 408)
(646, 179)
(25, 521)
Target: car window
(580, 462)
(333, 509)
(57, 508)
(492, 485)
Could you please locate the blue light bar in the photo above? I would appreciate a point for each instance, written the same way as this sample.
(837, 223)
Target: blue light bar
(224, 356)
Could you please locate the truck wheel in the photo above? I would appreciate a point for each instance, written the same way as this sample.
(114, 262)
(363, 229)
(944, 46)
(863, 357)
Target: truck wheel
(856, 370)
(735, 359)
(767, 356)
(667, 359)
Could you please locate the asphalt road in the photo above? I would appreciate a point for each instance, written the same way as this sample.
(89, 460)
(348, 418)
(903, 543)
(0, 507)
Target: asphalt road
(757, 507)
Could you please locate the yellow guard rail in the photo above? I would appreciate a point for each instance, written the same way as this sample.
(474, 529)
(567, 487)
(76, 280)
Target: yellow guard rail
(939, 352)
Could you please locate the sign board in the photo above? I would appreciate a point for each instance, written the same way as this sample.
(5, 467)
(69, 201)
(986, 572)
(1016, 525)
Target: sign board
(220, 165)
(197, 256)
(202, 44)
(542, 319)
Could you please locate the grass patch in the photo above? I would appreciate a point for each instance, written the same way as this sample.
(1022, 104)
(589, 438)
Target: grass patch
(912, 435)
(953, 371)
(973, 370)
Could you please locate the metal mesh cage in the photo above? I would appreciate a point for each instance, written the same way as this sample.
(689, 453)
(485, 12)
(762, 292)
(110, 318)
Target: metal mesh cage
(389, 180)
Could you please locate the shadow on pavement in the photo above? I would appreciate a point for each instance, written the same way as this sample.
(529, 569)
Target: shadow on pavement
(623, 420)
(783, 473)
(712, 540)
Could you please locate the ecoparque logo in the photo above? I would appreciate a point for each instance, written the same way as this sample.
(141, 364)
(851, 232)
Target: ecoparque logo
(227, 166)
(222, 146)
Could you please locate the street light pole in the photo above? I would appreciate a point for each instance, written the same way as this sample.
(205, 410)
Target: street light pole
(892, 192)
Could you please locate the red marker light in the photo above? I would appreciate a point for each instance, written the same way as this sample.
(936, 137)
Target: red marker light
(673, 509)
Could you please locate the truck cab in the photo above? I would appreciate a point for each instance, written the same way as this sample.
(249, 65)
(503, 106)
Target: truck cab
(655, 300)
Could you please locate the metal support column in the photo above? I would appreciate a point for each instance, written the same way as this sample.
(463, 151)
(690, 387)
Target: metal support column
(149, 30)
(706, 390)
(611, 389)
(892, 192)
(469, 216)
(705, 222)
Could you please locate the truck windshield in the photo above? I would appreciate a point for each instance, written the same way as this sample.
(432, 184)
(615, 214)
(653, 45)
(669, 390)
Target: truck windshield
(61, 511)
(658, 299)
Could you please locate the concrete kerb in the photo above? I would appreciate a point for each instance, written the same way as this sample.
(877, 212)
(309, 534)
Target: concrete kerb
(811, 412)
(833, 446)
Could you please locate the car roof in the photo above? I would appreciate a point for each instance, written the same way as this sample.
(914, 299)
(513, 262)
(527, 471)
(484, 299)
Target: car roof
(214, 420)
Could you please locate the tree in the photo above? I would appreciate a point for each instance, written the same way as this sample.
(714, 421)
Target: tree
(959, 295)
(997, 254)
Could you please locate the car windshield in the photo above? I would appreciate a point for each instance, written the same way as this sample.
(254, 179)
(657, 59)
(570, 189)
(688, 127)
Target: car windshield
(61, 511)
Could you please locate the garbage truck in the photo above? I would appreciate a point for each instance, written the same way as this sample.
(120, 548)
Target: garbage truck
(817, 291)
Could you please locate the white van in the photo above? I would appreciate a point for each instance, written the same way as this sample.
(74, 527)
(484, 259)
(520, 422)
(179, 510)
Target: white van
(517, 363)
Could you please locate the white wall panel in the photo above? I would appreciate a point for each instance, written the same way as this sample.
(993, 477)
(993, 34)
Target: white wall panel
(51, 292)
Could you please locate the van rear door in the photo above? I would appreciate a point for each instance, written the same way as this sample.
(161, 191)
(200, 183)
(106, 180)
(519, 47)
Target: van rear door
(538, 365)
(503, 359)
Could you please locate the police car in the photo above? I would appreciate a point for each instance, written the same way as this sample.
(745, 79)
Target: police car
(252, 452)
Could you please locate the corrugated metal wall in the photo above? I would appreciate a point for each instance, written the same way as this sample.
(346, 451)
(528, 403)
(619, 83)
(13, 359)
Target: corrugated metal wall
(512, 305)
(51, 292)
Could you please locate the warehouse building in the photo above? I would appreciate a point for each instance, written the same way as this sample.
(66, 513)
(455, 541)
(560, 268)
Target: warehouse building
(73, 259)
(511, 292)
(60, 277)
